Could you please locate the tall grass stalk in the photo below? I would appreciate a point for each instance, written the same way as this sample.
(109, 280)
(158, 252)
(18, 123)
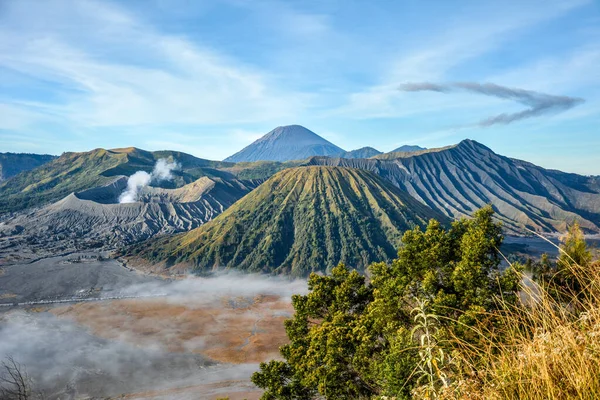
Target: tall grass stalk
(546, 348)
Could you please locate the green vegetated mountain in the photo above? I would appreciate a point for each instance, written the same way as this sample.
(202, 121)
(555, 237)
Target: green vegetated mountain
(75, 172)
(52, 181)
(190, 168)
(454, 180)
(457, 180)
(300, 220)
(12, 164)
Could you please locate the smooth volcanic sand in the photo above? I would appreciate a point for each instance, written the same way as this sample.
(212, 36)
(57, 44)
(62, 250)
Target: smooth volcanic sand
(58, 277)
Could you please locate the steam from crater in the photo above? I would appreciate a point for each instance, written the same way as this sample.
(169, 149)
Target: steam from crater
(162, 172)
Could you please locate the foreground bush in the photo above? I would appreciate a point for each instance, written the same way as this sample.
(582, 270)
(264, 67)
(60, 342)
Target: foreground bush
(443, 322)
(353, 338)
(550, 348)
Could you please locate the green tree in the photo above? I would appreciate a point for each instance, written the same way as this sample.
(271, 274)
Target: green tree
(323, 344)
(542, 269)
(574, 250)
(350, 338)
(566, 278)
(455, 270)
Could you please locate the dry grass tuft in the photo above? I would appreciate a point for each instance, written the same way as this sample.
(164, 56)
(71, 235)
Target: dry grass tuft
(547, 348)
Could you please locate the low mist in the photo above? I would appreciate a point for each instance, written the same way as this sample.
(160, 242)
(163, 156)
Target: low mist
(67, 358)
(200, 290)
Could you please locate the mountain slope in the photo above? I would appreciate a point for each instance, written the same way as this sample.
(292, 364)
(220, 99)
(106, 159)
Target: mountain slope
(300, 220)
(407, 148)
(94, 218)
(74, 172)
(286, 143)
(363, 152)
(12, 164)
(457, 180)
(393, 155)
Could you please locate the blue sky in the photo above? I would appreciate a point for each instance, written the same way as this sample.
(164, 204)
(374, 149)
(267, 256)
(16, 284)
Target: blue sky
(209, 77)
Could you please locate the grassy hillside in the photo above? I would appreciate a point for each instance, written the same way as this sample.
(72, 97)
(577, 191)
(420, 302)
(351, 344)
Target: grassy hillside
(12, 164)
(73, 172)
(58, 178)
(300, 220)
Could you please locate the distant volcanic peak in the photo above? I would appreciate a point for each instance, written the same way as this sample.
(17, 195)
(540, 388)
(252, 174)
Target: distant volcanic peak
(363, 152)
(408, 148)
(286, 143)
(368, 148)
(297, 133)
(472, 144)
(393, 155)
(293, 130)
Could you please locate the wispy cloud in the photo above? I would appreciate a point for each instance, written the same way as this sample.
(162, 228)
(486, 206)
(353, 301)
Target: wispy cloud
(539, 103)
(445, 49)
(122, 72)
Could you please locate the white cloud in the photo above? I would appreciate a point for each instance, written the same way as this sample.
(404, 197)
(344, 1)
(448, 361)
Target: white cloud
(151, 78)
(433, 58)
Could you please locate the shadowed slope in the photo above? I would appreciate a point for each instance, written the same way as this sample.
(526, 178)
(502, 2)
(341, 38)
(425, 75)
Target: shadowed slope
(12, 164)
(300, 220)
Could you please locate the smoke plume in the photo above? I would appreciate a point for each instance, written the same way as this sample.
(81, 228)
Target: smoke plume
(162, 172)
(538, 103)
